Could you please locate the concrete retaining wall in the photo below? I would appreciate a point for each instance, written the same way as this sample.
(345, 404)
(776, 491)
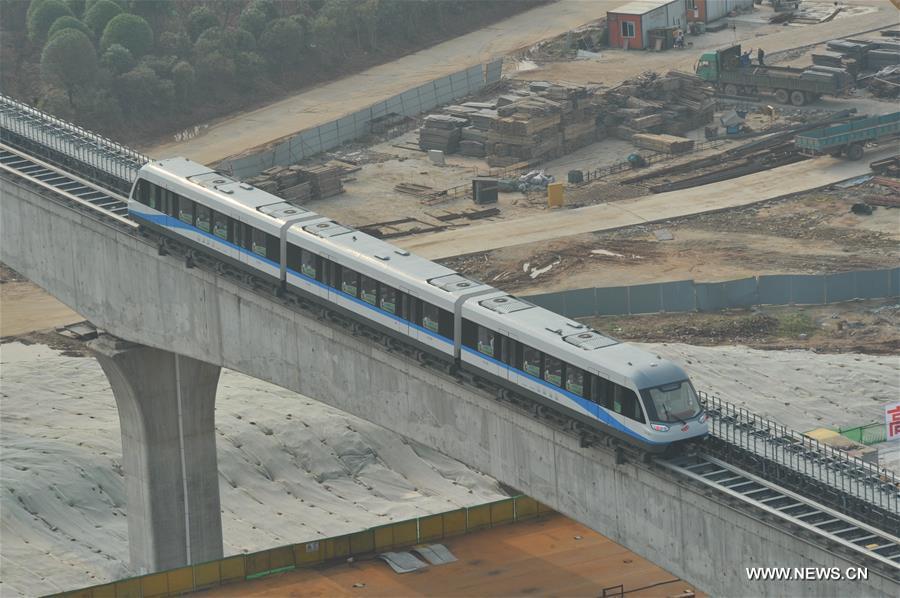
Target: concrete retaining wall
(122, 285)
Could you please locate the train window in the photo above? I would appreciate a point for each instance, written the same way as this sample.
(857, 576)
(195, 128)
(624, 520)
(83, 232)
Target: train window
(430, 317)
(486, 340)
(273, 248)
(203, 218)
(220, 225)
(308, 264)
(350, 282)
(531, 361)
(575, 380)
(368, 289)
(469, 334)
(257, 241)
(389, 300)
(169, 203)
(602, 391)
(507, 350)
(553, 370)
(625, 402)
(143, 193)
(186, 210)
(294, 258)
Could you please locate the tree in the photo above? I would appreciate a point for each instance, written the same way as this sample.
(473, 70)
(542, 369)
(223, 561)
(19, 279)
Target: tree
(267, 7)
(185, 79)
(200, 19)
(141, 92)
(253, 20)
(98, 14)
(325, 33)
(176, 43)
(69, 60)
(248, 69)
(63, 23)
(117, 59)
(43, 16)
(282, 43)
(130, 31)
(76, 6)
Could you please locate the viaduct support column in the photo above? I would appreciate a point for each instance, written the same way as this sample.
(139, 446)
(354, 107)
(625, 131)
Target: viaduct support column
(166, 408)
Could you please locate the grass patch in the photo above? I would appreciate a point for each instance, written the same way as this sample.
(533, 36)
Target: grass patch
(795, 324)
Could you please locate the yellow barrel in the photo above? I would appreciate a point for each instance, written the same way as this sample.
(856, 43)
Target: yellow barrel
(556, 195)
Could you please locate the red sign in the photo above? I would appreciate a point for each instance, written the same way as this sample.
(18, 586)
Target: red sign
(892, 420)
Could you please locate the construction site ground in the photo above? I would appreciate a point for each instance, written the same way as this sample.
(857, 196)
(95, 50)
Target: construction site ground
(552, 555)
(871, 327)
(813, 232)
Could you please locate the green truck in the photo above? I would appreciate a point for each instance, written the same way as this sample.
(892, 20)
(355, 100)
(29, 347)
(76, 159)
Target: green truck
(734, 77)
(848, 138)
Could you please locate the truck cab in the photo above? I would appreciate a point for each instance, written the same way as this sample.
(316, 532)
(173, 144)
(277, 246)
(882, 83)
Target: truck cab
(713, 63)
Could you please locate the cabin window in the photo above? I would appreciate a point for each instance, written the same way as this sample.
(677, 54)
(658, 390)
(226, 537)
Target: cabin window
(257, 242)
(553, 370)
(469, 334)
(431, 317)
(574, 380)
(389, 299)
(625, 403)
(273, 248)
(368, 290)
(627, 29)
(350, 282)
(602, 392)
(203, 218)
(308, 265)
(486, 340)
(531, 361)
(220, 225)
(186, 210)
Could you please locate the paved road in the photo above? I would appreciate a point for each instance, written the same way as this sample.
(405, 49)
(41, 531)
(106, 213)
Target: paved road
(333, 100)
(548, 225)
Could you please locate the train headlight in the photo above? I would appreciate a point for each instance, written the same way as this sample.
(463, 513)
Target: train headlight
(659, 427)
(704, 417)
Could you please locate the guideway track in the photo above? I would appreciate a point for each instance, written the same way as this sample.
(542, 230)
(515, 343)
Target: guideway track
(62, 184)
(877, 548)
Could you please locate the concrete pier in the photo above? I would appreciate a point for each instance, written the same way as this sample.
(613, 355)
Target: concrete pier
(166, 407)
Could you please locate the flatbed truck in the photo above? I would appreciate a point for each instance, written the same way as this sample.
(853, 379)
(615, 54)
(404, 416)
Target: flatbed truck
(848, 138)
(790, 85)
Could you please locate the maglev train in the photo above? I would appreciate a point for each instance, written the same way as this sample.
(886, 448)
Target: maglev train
(620, 389)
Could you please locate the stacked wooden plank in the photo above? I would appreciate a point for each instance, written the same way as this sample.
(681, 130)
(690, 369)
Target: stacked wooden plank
(526, 129)
(671, 104)
(325, 181)
(668, 144)
(441, 132)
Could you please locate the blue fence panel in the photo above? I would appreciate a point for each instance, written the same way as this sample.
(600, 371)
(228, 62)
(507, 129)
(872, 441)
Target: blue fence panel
(741, 293)
(807, 289)
(459, 84)
(710, 296)
(678, 296)
(774, 289)
(493, 71)
(873, 284)
(282, 154)
(394, 105)
(644, 299)
(895, 282)
(409, 103)
(611, 301)
(346, 128)
(555, 302)
(840, 287)
(475, 77)
(427, 96)
(580, 303)
(309, 142)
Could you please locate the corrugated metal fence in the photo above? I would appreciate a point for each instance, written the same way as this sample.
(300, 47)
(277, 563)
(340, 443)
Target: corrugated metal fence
(354, 126)
(688, 295)
(243, 567)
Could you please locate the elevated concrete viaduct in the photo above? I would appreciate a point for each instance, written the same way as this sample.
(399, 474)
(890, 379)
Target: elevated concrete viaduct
(119, 282)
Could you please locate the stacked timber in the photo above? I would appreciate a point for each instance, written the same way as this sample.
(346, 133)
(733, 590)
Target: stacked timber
(526, 129)
(441, 132)
(671, 104)
(324, 181)
(668, 144)
(472, 142)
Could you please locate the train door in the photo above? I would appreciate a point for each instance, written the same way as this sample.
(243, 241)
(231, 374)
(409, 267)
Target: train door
(507, 352)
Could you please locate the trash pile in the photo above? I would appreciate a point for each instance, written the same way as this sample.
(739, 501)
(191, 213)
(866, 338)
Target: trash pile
(535, 180)
(885, 83)
(671, 104)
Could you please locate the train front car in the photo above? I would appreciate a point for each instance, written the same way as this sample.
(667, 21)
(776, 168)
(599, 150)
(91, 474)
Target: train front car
(673, 413)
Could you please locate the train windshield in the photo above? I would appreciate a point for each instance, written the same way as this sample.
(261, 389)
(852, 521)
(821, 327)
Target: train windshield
(675, 402)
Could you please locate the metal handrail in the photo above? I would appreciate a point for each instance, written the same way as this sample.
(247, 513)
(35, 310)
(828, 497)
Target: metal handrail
(69, 139)
(775, 442)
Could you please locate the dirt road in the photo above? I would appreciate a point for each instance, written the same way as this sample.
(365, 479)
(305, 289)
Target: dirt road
(549, 225)
(333, 100)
